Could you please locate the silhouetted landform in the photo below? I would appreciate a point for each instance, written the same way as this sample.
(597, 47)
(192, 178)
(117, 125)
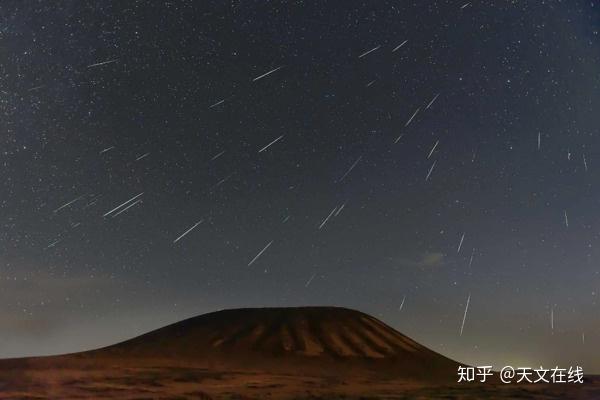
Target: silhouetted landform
(289, 338)
(256, 353)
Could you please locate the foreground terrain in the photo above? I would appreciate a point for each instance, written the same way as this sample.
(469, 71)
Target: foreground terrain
(292, 353)
(127, 382)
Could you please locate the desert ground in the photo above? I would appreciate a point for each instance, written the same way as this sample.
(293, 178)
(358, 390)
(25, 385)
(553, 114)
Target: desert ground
(179, 382)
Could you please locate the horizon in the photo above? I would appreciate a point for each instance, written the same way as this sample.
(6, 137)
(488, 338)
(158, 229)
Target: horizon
(509, 360)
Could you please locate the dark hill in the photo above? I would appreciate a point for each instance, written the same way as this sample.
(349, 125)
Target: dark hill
(287, 338)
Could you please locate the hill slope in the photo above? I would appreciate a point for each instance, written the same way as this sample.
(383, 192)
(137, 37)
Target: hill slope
(303, 337)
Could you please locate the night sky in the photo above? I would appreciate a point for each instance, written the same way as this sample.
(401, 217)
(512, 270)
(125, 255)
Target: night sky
(397, 157)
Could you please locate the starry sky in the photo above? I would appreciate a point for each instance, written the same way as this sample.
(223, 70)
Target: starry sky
(161, 160)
